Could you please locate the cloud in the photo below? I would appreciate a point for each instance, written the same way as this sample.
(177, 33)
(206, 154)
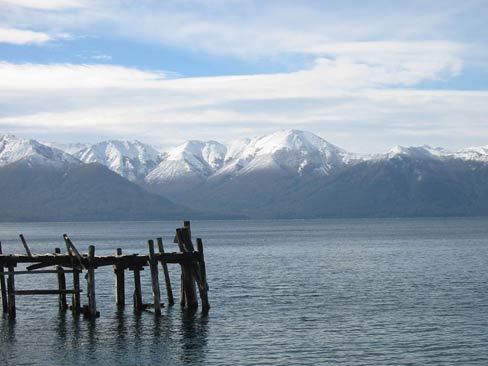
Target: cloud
(43, 4)
(21, 37)
(350, 104)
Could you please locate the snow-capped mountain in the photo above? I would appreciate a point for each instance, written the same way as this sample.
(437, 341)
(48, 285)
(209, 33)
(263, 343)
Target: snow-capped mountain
(474, 153)
(191, 160)
(131, 159)
(293, 151)
(417, 152)
(15, 149)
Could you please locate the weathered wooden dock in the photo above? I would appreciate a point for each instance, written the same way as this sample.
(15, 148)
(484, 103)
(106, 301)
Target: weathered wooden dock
(72, 262)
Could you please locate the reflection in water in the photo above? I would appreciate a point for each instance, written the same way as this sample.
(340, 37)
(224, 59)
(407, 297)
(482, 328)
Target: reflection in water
(8, 340)
(194, 342)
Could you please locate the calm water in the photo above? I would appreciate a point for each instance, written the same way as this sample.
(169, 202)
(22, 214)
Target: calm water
(349, 292)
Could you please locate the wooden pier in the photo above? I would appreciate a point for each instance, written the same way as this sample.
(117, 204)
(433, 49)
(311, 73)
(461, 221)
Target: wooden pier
(72, 262)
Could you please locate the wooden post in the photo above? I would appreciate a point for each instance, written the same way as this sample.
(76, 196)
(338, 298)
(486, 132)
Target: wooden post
(3, 286)
(119, 283)
(26, 247)
(76, 301)
(187, 272)
(11, 292)
(137, 289)
(92, 303)
(167, 280)
(63, 305)
(153, 264)
(202, 283)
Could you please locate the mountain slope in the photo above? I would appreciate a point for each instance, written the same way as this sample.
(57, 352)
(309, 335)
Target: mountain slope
(79, 192)
(130, 159)
(15, 149)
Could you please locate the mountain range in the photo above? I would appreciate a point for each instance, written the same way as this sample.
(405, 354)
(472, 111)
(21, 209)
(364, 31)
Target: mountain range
(286, 174)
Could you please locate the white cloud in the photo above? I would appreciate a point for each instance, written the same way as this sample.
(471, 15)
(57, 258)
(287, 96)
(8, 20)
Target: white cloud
(20, 36)
(350, 104)
(43, 4)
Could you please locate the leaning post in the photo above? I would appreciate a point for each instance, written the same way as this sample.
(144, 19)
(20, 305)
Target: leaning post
(153, 264)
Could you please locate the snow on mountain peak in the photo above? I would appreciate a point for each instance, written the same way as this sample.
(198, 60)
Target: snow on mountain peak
(193, 159)
(291, 150)
(130, 159)
(473, 153)
(14, 149)
(417, 152)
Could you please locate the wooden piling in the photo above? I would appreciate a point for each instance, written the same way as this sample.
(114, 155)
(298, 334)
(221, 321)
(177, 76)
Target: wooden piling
(138, 306)
(153, 265)
(92, 303)
(75, 299)
(187, 272)
(167, 280)
(63, 305)
(119, 283)
(202, 283)
(11, 292)
(3, 287)
(26, 247)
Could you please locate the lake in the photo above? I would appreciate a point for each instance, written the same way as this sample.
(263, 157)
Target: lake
(287, 292)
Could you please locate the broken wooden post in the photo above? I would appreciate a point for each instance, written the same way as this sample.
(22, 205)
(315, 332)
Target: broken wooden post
(11, 292)
(167, 280)
(63, 305)
(119, 283)
(3, 286)
(92, 303)
(188, 279)
(153, 264)
(138, 306)
(202, 283)
(26, 247)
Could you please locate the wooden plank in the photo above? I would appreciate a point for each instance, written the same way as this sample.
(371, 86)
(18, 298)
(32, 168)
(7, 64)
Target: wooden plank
(153, 264)
(119, 282)
(65, 260)
(11, 292)
(3, 286)
(45, 292)
(92, 303)
(26, 247)
(51, 271)
(202, 285)
(72, 251)
(167, 280)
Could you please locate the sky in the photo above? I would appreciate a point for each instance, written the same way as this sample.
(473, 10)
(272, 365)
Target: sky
(364, 75)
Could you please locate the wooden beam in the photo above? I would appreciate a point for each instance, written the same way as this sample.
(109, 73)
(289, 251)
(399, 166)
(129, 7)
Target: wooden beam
(3, 287)
(11, 292)
(63, 305)
(202, 284)
(76, 300)
(138, 306)
(189, 292)
(119, 283)
(167, 280)
(153, 264)
(26, 247)
(45, 292)
(92, 303)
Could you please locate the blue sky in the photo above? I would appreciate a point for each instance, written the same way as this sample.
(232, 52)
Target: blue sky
(365, 75)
